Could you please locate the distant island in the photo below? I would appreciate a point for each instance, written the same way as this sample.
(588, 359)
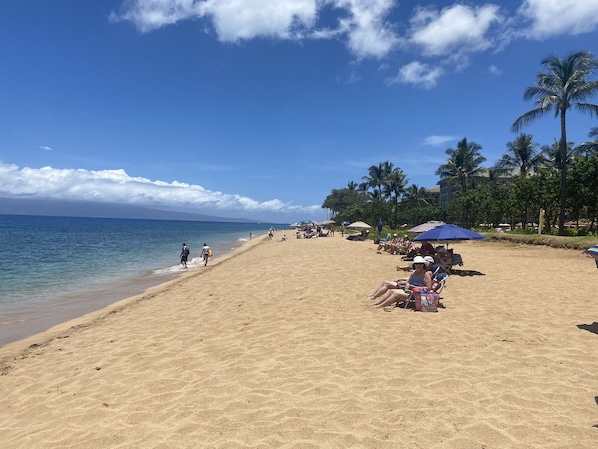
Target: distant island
(26, 206)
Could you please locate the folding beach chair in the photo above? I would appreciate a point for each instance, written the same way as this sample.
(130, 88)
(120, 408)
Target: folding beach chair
(448, 260)
(438, 284)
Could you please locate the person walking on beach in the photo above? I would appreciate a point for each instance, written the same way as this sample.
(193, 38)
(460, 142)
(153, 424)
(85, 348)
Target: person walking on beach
(206, 253)
(184, 255)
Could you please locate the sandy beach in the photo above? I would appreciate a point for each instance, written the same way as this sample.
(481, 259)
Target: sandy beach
(277, 346)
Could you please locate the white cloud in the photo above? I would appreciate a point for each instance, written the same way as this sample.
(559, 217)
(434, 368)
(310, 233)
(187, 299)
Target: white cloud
(456, 28)
(448, 37)
(45, 148)
(235, 20)
(555, 17)
(438, 140)
(493, 70)
(362, 24)
(418, 74)
(148, 15)
(116, 186)
(368, 32)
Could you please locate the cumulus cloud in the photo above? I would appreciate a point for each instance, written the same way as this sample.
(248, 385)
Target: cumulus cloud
(370, 28)
(418, 74)
(362, 24)
(456, 28)
(234, 20)
(555, 17)
(368, 32)
(116, 186)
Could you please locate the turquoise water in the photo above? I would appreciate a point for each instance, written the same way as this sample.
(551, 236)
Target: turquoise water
(53, 269)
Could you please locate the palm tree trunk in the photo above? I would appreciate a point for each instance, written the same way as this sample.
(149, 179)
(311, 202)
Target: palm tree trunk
(563, 196)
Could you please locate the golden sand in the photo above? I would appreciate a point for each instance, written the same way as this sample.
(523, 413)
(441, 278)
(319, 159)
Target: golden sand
(277, 346)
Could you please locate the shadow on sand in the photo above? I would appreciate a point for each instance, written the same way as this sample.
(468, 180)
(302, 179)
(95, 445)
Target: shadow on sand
(466, 273)
(593, 328)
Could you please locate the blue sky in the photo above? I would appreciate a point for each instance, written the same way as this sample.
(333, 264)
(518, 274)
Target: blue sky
(259, 108)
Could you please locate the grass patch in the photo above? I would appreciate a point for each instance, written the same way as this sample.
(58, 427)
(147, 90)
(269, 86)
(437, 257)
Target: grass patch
(554, 241)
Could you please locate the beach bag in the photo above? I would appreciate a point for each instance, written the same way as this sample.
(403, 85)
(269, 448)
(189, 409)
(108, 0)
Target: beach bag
(425, 300)
(209, 253)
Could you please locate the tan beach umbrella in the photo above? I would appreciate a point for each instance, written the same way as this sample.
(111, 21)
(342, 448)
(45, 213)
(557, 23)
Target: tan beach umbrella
(426, 226)
(359, 225)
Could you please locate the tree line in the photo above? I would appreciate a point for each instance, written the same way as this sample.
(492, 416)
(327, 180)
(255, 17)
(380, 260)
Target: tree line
(561, 178)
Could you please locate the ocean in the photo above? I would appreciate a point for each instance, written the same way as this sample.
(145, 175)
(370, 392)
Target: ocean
(53, 269)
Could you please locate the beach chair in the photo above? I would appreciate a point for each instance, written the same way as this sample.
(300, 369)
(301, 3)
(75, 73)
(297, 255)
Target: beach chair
(438, 284)
(447, 260)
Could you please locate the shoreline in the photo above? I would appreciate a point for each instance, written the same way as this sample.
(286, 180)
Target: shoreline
(277, 346)
(63, 310)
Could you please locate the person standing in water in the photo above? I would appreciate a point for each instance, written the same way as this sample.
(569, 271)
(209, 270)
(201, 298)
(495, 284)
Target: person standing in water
(206, 253)
(184, 255)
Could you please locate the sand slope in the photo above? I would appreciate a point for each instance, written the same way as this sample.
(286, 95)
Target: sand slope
(276, 346)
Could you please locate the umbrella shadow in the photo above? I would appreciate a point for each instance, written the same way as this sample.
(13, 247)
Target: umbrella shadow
(593, 328)
(466, 273)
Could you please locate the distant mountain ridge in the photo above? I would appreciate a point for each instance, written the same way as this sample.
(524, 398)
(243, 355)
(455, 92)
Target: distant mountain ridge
(17, 206)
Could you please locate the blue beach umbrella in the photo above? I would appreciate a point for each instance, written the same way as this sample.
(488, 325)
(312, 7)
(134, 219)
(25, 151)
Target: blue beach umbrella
(592, 252)
(449, 232)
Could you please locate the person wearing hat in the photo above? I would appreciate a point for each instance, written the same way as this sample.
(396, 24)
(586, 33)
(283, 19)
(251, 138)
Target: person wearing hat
(406, 247)
(390, 292)
(429, 265)
(389, 246)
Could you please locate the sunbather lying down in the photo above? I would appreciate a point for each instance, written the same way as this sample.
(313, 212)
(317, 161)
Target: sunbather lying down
(363, 235)
(390, 292)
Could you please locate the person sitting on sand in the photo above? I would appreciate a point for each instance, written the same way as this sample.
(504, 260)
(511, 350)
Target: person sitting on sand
(419, 278)
(407, 247)
(427, 249)
(390, 245)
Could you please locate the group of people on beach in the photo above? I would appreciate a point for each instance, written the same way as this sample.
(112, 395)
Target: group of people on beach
(206, 253)
(396, 245)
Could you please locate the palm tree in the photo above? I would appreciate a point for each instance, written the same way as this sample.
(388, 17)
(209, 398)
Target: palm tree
(417, 196)
(462, 165)
(377, 174)
(552, 154)
(521, 154)
(592, 146)
(563, 86)
(394, 187)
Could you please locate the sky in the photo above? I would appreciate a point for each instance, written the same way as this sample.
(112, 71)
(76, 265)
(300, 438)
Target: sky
(258, 109)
